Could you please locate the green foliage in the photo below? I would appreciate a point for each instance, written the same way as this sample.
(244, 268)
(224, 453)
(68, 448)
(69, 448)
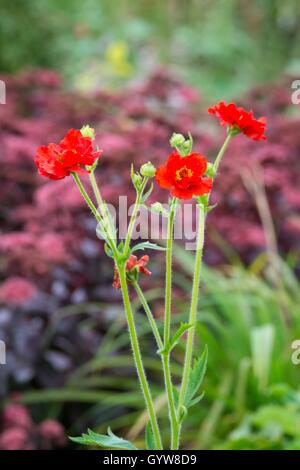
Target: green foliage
(110, 441)
(175, 338)
(149, 439)
(223, 46)
(147, 246)
(196, 379)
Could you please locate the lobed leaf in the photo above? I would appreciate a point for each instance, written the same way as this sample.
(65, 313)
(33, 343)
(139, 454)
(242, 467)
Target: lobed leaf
(196, 378)
(110, 440)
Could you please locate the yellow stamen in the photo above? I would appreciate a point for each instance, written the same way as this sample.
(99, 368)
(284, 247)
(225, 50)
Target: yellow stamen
(184, 172)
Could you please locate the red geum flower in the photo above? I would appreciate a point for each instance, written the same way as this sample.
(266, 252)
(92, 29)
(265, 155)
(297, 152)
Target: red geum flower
(184, 176)
(240, 120)
(132, 263)
(72, 154)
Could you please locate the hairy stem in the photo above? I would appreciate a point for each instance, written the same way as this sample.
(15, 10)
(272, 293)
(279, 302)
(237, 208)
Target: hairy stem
(196, 284)
(137, 357)
(167, 322)
(221, 152)
(134, 214)
(95, 213)
(194, 305)
(148, 312)
(102, 205)
(166, 367)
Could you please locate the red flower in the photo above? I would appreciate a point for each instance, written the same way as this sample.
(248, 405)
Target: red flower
(74, 151)
(184, 176)
(132, 263)
(240, 120)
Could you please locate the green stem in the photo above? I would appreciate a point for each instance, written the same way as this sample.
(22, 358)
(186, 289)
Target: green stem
(166, 368)
(167, 323)
(138, 358)
(95, 212)
(193, 309)
(169, 249)
(96, 189)
(171, 402)
(134, 214)
(102, 205)
(221, 152)
(149, 314)
(196, 284)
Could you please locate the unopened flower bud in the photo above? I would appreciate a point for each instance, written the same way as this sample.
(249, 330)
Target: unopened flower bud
(177, 140)
(210, 170)
(148, 170)
(156, 207)
(88, 131)
(136, 180)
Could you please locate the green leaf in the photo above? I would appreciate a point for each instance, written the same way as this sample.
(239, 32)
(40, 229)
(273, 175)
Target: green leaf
(101, 440)
(172, 343)
(175, 395)
(149, 438)
(181, 330)
(147, 245)
(196, 400)
(210, 208)
(108, 250)
(196, 378)
(286, 418)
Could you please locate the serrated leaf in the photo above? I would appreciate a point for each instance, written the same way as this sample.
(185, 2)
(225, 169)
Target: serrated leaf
(110, 441)
(196, 400)
(147, 245)
(181, 330)
(149, 438)
(175, 395)
(196, 377)
(108, 250)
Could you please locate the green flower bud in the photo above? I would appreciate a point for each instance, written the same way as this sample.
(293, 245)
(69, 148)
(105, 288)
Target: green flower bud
(210, 170)
(157, 207)
(88, 131)
(136, 180)
(148, 170)
(177, 140)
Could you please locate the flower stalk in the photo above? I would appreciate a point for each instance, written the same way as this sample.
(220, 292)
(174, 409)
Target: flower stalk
(137, 357)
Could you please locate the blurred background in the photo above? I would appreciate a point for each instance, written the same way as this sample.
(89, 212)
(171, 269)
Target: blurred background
(137, 71)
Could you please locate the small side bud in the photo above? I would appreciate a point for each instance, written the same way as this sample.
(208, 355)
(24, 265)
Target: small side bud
(136, 179)
(181, 144)
(88, 131)
(176, 140)
(148, 170)
(210, 170)
(158, 208)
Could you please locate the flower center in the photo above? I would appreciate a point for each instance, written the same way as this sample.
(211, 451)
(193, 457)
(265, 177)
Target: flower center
(184, 172)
